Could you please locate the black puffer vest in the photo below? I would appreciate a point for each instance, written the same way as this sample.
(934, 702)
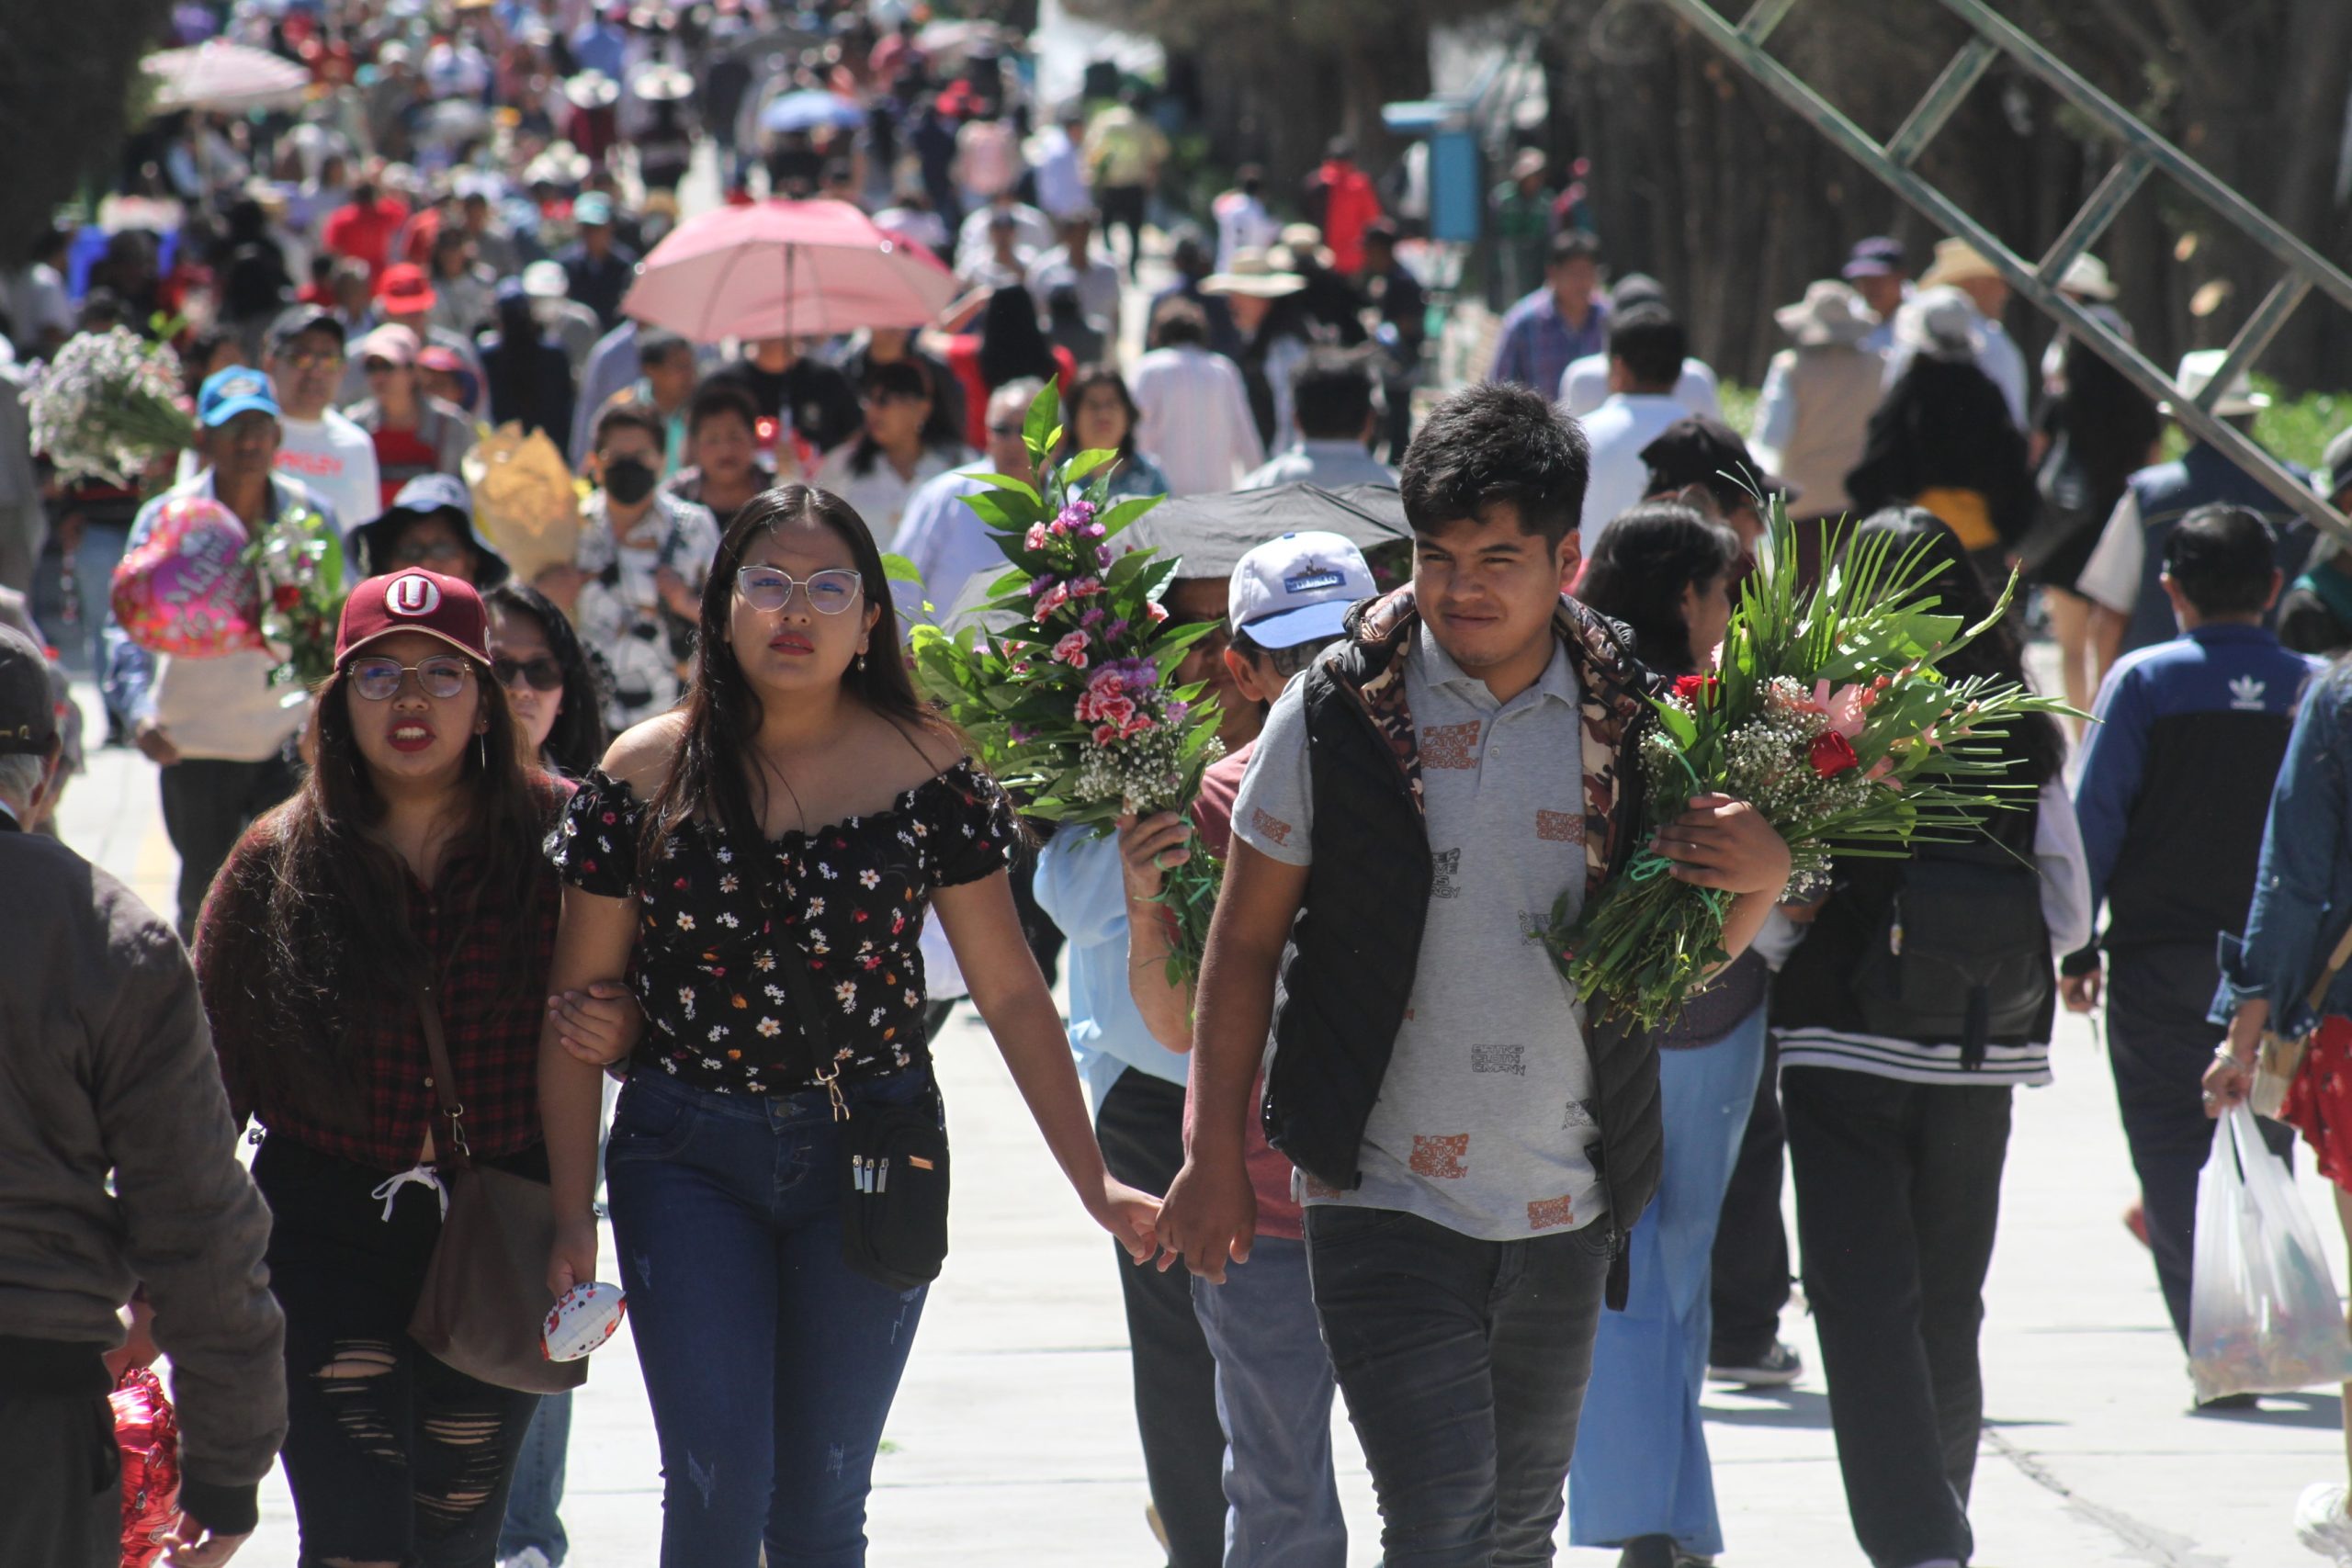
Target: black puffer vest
(1349, 974)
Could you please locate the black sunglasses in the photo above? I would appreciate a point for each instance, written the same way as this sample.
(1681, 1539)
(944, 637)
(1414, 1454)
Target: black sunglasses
(543, 674)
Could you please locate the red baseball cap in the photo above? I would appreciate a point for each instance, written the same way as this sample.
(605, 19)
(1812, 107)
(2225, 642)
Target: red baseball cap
(406, 289)
(415, 600)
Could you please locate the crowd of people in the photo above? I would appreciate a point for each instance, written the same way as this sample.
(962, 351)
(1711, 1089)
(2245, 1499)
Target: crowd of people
(657, 845)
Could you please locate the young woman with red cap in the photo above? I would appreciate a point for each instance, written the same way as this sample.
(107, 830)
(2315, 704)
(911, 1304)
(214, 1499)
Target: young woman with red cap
(406, 874)
(761, 865)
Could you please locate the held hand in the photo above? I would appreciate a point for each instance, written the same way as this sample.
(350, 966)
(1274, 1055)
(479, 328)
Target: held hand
(2227, 1082)
(2081, 992)
(1130, 1216)
(600, 1025)
(1725, 843)
(573, 1261)
(1210, 1215)
(193, 1546)
(1149, 848)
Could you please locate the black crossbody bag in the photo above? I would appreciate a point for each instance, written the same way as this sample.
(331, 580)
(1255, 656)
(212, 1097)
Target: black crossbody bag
(894, 1163)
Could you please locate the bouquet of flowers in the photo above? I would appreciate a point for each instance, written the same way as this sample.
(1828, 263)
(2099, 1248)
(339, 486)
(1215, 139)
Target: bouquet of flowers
(1830, 716)
(1072, 706)
(108, 405)
(297, 564)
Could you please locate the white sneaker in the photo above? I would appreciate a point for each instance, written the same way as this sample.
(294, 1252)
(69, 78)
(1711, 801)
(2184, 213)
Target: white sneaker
(2321, 1523)
(529, 1557)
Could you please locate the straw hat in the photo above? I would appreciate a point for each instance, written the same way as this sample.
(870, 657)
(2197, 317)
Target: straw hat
(1957, 261)
(560, 165)
(1304, 241)
(1830, 312)
(2196, 373)
(1530, 162)
(1253, 273)
(2087, 275)
(662, 82)
(592, 90)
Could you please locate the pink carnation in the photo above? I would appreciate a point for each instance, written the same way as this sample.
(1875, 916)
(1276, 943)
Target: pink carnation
(1036, 539)
(1105, 733)
(1136, 725)
(1054, 600)
(1072, 650)
(1159, 614)
(1120, 710)
(1083, 586)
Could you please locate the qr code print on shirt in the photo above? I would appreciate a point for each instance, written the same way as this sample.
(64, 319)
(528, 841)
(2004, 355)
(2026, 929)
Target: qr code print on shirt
(1509, 1059)
(1451, 745)
(1559, 826)
(1440, 1159)
(1550, 1214)
(1272, 826)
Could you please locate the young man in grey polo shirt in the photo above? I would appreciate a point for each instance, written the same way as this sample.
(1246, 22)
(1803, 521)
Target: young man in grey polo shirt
(1471, 1149)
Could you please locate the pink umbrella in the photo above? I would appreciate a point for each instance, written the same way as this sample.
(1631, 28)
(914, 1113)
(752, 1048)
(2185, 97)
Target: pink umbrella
(786, 269)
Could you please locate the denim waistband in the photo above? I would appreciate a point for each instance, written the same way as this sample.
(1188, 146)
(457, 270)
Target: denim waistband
(781, 1110)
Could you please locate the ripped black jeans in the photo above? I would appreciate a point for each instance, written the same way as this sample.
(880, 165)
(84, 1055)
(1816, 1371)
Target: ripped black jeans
(392, 1457)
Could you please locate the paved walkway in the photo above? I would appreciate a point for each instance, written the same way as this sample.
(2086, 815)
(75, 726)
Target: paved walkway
(1013, 1442)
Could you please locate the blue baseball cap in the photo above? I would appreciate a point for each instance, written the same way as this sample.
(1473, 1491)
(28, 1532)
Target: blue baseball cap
(595, 210)
(1297, 588)
(228, 393)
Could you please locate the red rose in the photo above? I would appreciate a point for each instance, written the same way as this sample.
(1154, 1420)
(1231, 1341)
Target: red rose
(285, 596)
(1833, 754)
(1693, 689)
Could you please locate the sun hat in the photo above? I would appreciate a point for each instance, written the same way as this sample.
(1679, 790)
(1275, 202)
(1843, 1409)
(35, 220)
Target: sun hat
(1941, 323)
(2196, 373)
(405, 290)
(2088, 275)
(1296, 589)
(592, 89)
(1253, 272)
(1957, 261)
(1307, 240)
(545, 280)
(415, 600)
(662, 82)
(225, 394)
(421, 497)
(1830, 312)
(390, 341)
(1531, 161)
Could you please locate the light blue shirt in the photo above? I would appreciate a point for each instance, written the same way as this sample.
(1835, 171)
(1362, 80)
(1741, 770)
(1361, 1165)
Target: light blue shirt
(1334, 465)
(1081, 890)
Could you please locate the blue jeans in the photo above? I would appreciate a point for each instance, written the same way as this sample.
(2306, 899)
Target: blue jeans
(1464, 1362)
(537, 1492)
(1646, 1472)
(1273, 1399)
(769, 1363)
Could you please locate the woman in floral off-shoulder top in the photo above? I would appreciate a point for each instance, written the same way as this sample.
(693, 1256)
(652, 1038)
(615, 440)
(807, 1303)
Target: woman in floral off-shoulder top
(794, 823)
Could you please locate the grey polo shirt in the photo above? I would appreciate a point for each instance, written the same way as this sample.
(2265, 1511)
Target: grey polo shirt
(1485, 1122)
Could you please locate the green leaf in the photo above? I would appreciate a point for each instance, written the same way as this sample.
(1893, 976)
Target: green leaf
(1126, 512)
(1681, 725)
(1018, 487)
(1039, 430)
(898, 569)
(1086, 462)
(994, 510)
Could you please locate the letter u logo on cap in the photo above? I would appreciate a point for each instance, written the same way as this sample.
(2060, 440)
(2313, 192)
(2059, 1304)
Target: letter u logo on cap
(412, 594)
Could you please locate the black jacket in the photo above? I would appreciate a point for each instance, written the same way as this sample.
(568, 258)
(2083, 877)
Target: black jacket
(1350, 970)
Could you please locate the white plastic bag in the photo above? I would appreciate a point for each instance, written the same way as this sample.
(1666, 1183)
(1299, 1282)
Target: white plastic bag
(2264, 1316)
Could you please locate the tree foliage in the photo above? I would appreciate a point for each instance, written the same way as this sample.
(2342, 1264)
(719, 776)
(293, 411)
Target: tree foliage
(66, 70)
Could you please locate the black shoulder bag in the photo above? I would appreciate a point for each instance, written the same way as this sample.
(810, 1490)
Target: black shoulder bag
(894, 1163)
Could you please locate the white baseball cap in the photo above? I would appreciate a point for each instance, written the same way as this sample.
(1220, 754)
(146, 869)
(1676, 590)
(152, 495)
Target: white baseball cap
(1297, 588)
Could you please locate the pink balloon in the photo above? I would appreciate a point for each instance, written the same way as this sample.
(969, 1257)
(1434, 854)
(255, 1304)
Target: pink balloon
(186, 588)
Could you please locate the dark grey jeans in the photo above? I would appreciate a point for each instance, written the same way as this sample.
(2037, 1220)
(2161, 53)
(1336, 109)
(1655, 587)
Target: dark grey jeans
(1463, 1363)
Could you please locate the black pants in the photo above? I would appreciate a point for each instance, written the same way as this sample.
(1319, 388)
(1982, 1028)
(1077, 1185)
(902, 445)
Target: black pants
(61, 1503)
(207, 806)
(1465, 1364)
(1141, 1129)
(391, 1455)
(1898, 1194)
(1123, 207)
(1751, 1257)
(2159, 1045)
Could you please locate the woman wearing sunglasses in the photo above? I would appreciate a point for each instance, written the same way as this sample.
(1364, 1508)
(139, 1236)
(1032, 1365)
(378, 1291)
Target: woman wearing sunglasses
(405, 875)
(551, 680)
(769, 854)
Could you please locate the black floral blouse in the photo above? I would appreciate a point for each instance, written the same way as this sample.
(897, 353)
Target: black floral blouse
(848, 901)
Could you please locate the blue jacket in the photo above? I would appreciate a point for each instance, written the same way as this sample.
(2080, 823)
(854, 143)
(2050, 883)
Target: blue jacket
(2302, 887)
(2168, 492)
(2175, 780)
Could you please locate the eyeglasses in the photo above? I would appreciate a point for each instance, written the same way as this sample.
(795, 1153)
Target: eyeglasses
(884, 399)
(417, 552)
(311, 359)
(378, 366)
(828, 591)
(1006, 430)
(377, 680)
(542, 675)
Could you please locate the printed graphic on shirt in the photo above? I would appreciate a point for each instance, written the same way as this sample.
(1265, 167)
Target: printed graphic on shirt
(1559, 826)
(1318, 1187)
(1451, 745)
(2246, 694)
(1512, 1059)
(1272, 826)
(1550, 1214)
(1440, 1159)
(1444, 865)
(1579, 1117)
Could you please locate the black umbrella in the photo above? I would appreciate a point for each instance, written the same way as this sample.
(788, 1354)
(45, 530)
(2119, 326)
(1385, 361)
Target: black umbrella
(1211, 533)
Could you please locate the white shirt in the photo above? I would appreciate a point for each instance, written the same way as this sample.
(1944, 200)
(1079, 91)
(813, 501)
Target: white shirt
(1584, 387)
(1061, 175)
(1196, 418)
(1242, 224)
(879, 495)
(2111, 576)
(1618, 430)
(337, 460)
(1096, 284)
(1030, 232)
(1334, 465)
(945, 541)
